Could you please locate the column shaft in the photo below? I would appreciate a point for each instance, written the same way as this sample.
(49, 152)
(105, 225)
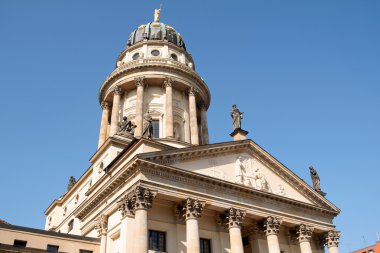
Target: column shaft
(193, 119)
(139, 109)
(187, 122)
(103, 124)
(115, 111)
(305, 247)
(236, 240)
(169, 109)
(192, 236)
(333, 249)
(273, 245)
(141, 231)
(103, 243)
(204, 125)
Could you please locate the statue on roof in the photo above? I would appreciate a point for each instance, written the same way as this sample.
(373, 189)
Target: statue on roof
(157, 14)
(316, 181)
(236, 116)
(72, 182)
(127, 126)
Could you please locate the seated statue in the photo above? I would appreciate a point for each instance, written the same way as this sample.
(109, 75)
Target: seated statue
(127, 127)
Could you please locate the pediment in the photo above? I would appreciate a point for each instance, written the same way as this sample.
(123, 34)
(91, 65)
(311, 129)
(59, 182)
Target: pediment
(244, 163)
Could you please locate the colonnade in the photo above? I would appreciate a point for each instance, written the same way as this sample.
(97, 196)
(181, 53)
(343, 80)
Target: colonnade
(136, 204)
(190, 114)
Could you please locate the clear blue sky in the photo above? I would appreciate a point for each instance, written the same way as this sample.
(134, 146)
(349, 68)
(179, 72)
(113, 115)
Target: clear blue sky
(305, 73)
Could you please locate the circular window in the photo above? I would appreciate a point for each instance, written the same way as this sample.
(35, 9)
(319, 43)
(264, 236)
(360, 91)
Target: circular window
(135, 56)
(174, 57)
(155, 52)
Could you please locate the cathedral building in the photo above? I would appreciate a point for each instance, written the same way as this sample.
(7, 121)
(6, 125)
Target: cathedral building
(156, 184)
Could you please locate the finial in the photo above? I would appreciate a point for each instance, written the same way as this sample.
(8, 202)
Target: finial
(157, 14)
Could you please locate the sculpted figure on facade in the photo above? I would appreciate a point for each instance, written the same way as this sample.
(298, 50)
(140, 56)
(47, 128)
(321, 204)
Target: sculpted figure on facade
(281, 190)
(71, 183)
(236, 116)
(148, 125)
(316, 181)
(127, 127)
(260, 181)
(239, 170)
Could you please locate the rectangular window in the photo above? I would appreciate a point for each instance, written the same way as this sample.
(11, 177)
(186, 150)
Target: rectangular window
(52, 248)
(156, 128)
(157, 240)
(19, 244)
(205, 245)
(85, 251)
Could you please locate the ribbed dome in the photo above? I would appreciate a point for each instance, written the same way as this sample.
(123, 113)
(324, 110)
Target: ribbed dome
(156, 31)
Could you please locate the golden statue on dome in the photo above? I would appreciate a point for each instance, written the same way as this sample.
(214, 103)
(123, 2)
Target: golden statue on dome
(157, 14)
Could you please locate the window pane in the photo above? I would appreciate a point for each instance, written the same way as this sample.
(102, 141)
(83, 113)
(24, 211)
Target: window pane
(205, 245)
(157, 240)
(52, 248)
(156, 128)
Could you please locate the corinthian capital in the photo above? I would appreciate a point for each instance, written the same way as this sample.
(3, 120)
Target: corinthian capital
(192, 91)
(125, 206)
(142, 198)
(117, 90)
(192, 208)
(272, 226)
(105, 105)
(169, 82)
(304, 233)
(332, 238)
(101, 224)
(140, 81)
(232, 218)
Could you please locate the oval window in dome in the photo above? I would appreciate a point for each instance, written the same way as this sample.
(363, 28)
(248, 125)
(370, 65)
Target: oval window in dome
(155, 52)
(174, 57)
(135, 56)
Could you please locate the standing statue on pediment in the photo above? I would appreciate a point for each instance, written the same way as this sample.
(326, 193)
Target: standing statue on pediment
(239, 170)
(236, 116)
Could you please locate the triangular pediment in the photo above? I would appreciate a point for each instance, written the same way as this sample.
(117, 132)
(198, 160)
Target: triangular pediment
(244, 163)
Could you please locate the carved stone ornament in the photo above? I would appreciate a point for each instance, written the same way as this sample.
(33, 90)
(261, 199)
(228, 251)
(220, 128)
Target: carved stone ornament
(125, 206)
(232, 218)
(192, 91)
(140, 81)
(101, 224)
(332, 238)
(117, 90)
(192, 208)
(304, 233)
(105, 105)
(169, 82)
(272, 226)
(142, 198)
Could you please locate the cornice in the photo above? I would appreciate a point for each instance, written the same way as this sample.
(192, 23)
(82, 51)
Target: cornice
(145, 64)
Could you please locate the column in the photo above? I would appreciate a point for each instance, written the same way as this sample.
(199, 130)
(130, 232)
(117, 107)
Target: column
(192, 212)
(142, 199)
(168, 84)
(233, 220)
(332, 241)
(271, 229)
(304, 233)
(186, 119)
(204, 130)
(127, 224)
(117, 91)
(104, 123)
(101, 227)
(140, 83)
(193, 117)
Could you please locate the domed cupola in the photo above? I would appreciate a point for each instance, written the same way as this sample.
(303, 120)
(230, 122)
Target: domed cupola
(156, 31)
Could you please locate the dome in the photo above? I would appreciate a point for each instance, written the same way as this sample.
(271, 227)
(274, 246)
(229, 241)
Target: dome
(156, 31)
